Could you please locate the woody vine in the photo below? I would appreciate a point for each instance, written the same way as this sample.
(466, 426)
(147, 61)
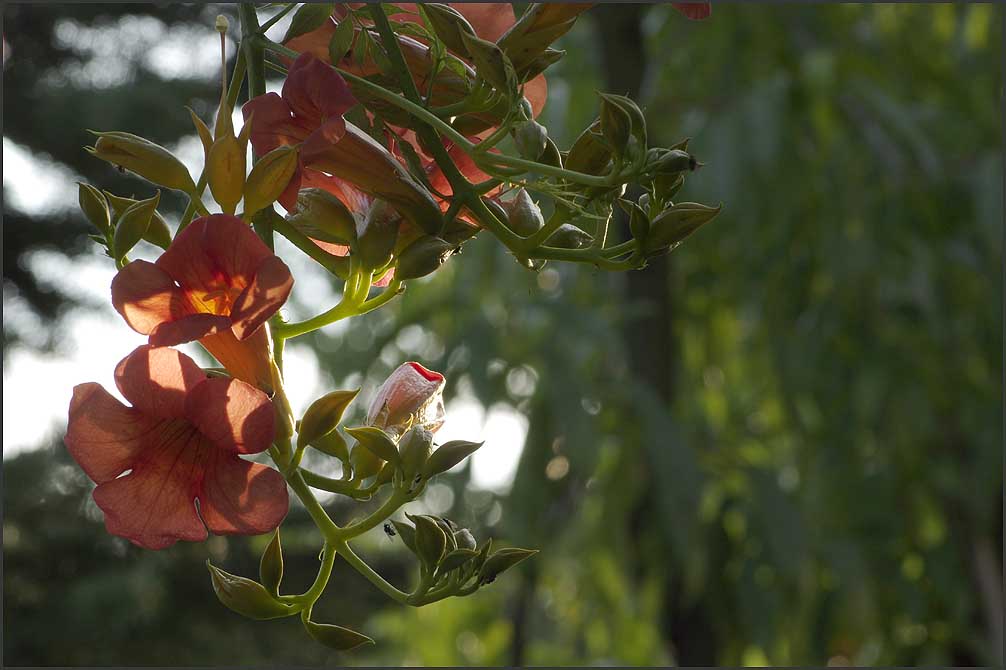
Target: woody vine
(383, 151)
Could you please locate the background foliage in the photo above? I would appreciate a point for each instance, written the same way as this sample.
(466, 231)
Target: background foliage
(783, 446)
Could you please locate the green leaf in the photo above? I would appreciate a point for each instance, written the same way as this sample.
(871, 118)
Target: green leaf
(336, 637)
(323, 416)
(271, 565)
(491, 64)
(448, 455)
(376, 441)
(247, 597)
(448, 24)
(342, 40)
(309, 17)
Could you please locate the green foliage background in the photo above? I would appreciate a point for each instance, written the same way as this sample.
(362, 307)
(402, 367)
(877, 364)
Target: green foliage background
(783, 446)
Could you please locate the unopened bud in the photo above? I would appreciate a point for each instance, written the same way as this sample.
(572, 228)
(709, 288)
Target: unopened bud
(269, 178)
(673, 225)
(415, 450)
(376, 240)
(225, 171)
(568, 236)
(221, 24)
(144, 158)
(530, 138)
(94, 206)
(324, 217)
(133, 224)
(523, 215)
(423, 257)
(673, 161)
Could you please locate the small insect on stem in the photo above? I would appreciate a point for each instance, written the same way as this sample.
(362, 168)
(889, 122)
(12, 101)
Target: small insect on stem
(389, 530)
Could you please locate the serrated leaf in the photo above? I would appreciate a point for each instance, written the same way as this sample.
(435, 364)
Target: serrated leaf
(342, 40)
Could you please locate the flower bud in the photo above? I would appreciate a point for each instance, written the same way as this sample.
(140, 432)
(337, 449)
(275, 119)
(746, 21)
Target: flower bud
(376, 240)
(225, 171)
(411, 395)
(144, 158)
(94, 206)
(464, 539)
(673, 161)
(523, 215)
(270, 567)
(376, 441)
(448, 455)
(269, 178)
(332, 636)
(133, 224)
(448, 24)
(364, 463)
(502, 560)
(247, 597)
(416, 447)
(431, 541)
(157, 233)
(615, 125)
(490, 63)
(568, 236)
(673, 225)
(530, 138)
(322, 417)
(423, 257)
(323, 216)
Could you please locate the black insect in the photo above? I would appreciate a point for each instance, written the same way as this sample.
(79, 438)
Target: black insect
(389, 530)
(121, 169)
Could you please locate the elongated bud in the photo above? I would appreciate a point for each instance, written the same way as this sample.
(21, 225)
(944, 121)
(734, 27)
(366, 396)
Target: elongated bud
(144, 158)
(531, 138)
(448, 24)
(615, 125)
(335, 637)
(225, 171)
(523, 215)
(322, 417)
(323, 216)
(247, 597)
(411, 395)
(423, 257)
(502, 560)
(376, 241)
(464, 539)
(673, 225)
(376, 441)
(271, 565)
(157, 233)
(673, 161)
(133, 224)
(431, 541)
(364, 463)
(568, 236)
(332, 444)
(448, 455)
(269, 178)
(94, 206)
(637, 122)
(490, 63)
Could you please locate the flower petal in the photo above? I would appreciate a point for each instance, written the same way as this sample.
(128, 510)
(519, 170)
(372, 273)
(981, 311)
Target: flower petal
(157, 379)
(103, 435)
(146, 296)
(410, 393)
(266, 293)
(214, 249)
(187, 329)
(242, 498)
(272, 124)
(247, 360)
(232, 415)
(315, 92)
(154, 506)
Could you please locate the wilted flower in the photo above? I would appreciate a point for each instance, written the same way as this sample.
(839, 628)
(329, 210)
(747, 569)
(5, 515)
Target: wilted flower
(179, 442)
(217, 283)
(411, 396)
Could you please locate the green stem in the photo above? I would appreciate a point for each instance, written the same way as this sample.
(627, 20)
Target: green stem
(340, 486)
(341, 311)
(318, 514)
(276, 18)
(377, 580)
(389, 507)
(321, 581)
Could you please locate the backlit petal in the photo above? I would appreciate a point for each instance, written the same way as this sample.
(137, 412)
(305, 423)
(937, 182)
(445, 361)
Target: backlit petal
(187, 329)
(232, 415)
(146, 296)
(314, 91)
(103, 435)
(157, 379)
(268, 290)
(242, 497)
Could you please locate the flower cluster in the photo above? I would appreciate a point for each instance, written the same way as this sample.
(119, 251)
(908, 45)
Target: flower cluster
(382, 148)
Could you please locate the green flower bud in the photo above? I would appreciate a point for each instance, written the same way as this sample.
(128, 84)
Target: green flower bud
(502, 560)
(448, 455)
(332, 444)
(455, 559)
(144, 158)
(616, 125)
(133, 224)
(377, 442)
(332, 636)
(568, 236)
(247, 597)
(323, 416)
(464, 539)
(431, 541)
(225, 171)
(448, 24)
(324, 217)
(364, 463)
(271, 565)
(269, 178)
(416, 447)
(672, 161)
(523, 215)
(673, 225)
(377, 239)
(491, 63)
(530, 138)
(423, 257)
(94, 206)
(157, 232)
(407, 533)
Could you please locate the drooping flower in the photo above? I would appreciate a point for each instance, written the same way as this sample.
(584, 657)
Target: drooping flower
(411, 396)
(217, 283)
(178, 443)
